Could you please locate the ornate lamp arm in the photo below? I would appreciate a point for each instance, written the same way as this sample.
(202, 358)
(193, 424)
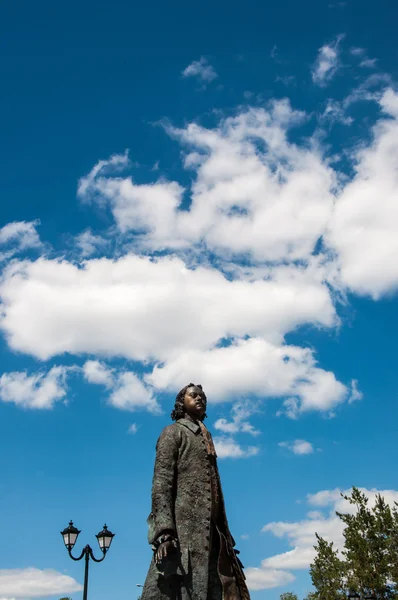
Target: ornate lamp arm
(82, 554)
(97, 560)
(89, 551)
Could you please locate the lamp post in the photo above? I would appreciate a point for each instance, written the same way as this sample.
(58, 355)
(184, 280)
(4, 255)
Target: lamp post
(104, 537)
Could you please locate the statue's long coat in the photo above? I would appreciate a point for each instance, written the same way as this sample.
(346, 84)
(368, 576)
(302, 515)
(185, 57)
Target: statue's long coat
(182, 504)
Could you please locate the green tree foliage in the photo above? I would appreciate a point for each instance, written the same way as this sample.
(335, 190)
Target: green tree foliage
(369, 563)
(327, 572)
(393, 547)
(288, 596)
(369, 536)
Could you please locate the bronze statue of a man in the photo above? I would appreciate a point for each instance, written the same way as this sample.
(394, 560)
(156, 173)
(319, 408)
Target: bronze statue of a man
(194, 556)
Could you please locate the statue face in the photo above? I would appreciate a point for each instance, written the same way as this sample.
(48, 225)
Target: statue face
(194, 402)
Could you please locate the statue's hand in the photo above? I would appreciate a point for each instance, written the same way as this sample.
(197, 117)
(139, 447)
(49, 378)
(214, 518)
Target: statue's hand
(164, 551)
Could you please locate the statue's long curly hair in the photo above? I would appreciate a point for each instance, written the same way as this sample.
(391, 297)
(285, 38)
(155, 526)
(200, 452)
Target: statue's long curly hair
(178, 412)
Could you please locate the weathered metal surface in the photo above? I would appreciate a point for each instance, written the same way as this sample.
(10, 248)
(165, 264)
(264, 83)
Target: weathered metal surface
(188, 505)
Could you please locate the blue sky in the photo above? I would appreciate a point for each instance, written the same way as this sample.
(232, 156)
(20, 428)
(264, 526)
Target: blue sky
(203, 194)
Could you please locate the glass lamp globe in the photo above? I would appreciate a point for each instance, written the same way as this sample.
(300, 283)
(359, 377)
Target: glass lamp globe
(70, 535)
(105, 538)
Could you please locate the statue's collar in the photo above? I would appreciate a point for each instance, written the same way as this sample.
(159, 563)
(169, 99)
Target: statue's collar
(190, 424)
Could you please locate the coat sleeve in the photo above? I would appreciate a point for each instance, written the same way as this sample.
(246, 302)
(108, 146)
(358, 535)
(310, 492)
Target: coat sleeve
(163, 485)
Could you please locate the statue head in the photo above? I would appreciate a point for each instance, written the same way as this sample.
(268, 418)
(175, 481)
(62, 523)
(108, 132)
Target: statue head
(191, 401)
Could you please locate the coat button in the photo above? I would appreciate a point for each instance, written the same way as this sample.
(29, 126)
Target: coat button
(206, 548)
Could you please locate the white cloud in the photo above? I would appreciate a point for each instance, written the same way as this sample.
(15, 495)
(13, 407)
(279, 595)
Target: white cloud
(39, 391)
(357, 51)
(275, 55)
(89, 244)
(42, 390)
(133, 428)
(286, 79)
(146, 208)
(257, 367)
(334, 500)
(97, 372)
(327, 62)
(324, 497)
(227, 447)
(298, 447)
(371, 90)
(117, 162)
(127, 391)
(263, 579)
(335, 112)
(368, 63)
(149, 310)
(200, 69)
(364, 225)
(301, 534)
(355, 394)
(389, 102)
(22, 232)
(298, 558)
(314, 514)
(241, 412)
(131, 394)
(255, 192)
(6, 256)
(35, 583)
(17, 237)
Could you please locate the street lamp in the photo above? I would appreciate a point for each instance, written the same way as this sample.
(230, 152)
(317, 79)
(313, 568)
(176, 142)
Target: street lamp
(104, 537)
